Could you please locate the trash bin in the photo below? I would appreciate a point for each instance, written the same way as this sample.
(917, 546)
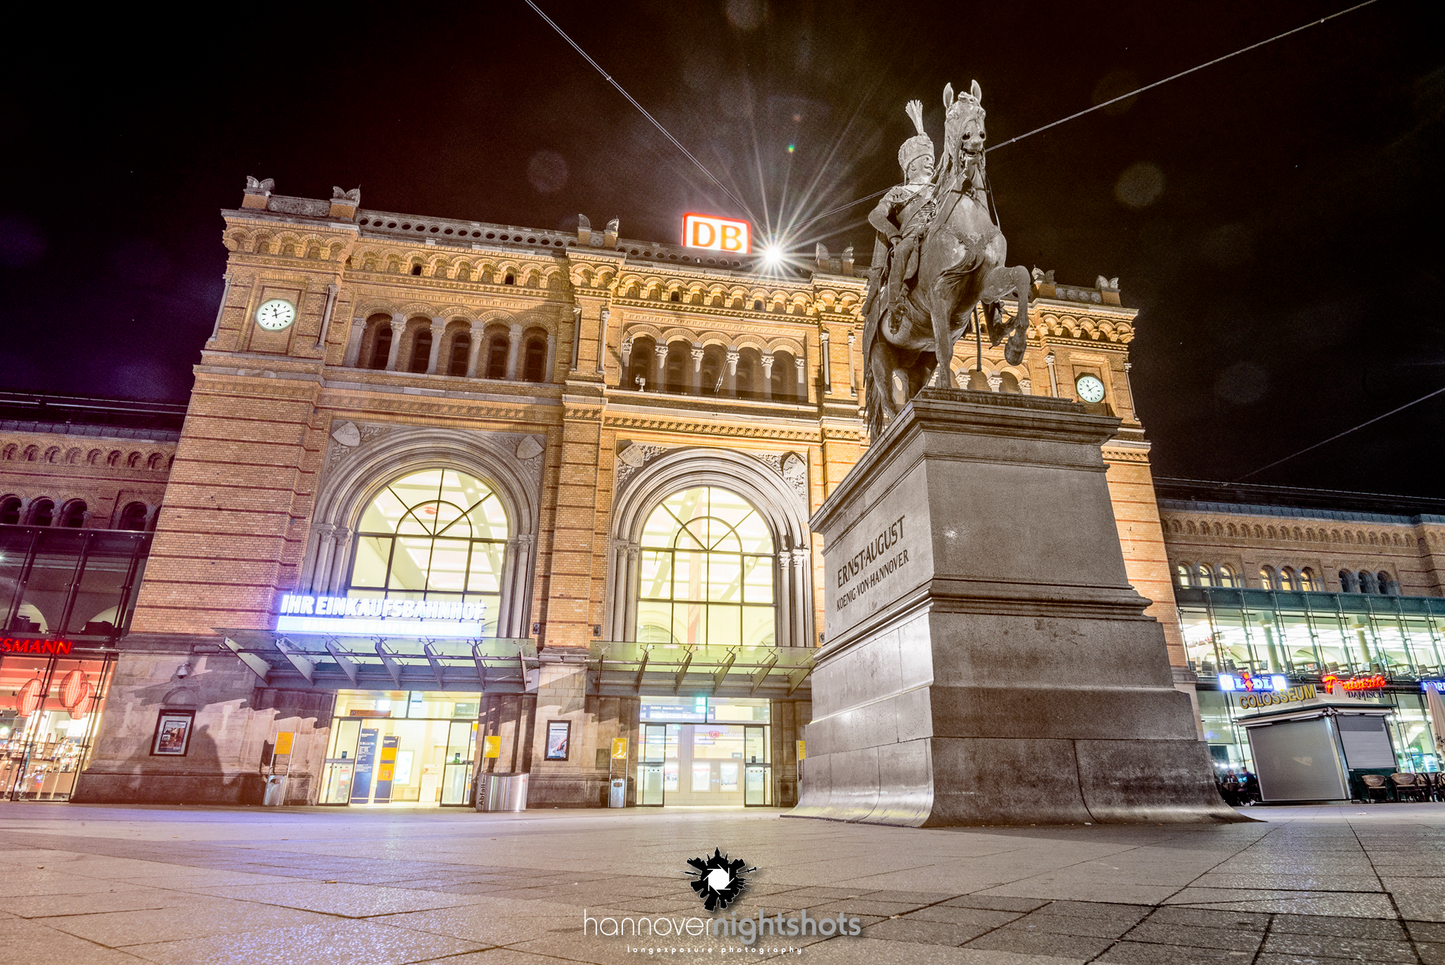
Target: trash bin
(502, 792)
(275, 794)
(617, 794)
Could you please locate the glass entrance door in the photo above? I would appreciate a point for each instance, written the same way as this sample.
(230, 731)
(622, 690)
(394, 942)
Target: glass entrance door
(650, 766)
(757, 781)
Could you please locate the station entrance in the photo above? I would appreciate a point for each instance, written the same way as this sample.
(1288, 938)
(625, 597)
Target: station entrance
(704, 751)
(414, 748)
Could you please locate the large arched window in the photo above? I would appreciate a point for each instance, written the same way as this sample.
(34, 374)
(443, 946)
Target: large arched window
(707, 572)
(433, 535)
(1227, 576)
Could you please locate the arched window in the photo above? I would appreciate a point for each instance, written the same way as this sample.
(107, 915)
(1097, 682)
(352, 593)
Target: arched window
(534, 359)
(114, 458)
(675, 297)
(1267, 579)
(460, 354)
(785, 376)
(1383, 580)
(420, 351)
(10, 510)
(438, 535)
(1287, 579)
(1009, 383)
(1227, 576)
(510, 279)
(639, 363)
(73, 514)
(707, 572)
(154, 462)
(1206, 575)
(1349, 583)
(1368, 583)
(1183, 575)
(133, 517)
(757, 304)
(42, 512)
(749, 381)
(1308, 581)
(497, 349)
(714, 369)
(677, 373)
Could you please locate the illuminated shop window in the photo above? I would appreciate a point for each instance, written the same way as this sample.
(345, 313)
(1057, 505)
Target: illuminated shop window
(433, 535)
(707, 572)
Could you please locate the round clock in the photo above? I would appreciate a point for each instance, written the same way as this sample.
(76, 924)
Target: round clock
(1090, 389)
(276, 314)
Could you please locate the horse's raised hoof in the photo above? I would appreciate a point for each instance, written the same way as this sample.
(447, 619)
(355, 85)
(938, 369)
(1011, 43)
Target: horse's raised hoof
(1013, 352)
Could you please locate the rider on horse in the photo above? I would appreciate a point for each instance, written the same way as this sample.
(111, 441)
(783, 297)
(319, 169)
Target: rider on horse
(901, 218)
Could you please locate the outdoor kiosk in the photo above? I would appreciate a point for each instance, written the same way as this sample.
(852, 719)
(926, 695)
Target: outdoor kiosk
(1312, 750)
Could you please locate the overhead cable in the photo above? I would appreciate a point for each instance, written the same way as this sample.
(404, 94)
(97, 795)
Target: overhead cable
(1340, 435)
(1122, 97)
(631, 100)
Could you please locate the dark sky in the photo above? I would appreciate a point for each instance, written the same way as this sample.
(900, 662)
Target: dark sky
(1275, 218)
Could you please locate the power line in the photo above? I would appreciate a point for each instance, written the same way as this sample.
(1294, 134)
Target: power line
(1121, 97)
(1340, 435)
(642, 110)
(1184, 73)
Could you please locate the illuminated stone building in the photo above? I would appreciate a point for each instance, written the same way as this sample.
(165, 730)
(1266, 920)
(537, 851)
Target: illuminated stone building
(454, 496)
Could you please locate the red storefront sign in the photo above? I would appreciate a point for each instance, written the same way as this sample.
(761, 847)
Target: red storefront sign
(1354, 685)
(37, 647)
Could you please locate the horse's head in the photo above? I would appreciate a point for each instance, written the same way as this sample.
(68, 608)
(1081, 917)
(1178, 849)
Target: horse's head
(963, 132)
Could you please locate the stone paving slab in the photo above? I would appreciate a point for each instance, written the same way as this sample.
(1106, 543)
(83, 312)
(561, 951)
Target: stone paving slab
(212, 885)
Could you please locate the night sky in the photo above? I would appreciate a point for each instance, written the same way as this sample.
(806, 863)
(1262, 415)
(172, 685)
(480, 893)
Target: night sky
(1275, 218)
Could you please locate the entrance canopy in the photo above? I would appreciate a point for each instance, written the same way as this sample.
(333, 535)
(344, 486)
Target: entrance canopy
(630, 669)
(325, 662)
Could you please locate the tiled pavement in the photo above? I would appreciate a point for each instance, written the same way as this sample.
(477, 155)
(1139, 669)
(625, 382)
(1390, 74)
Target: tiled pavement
(83, 885)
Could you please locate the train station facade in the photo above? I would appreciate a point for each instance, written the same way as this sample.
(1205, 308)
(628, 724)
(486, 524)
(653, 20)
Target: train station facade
(451, 497)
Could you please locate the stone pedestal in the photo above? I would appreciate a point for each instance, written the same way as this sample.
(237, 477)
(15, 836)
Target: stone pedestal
(987, 661)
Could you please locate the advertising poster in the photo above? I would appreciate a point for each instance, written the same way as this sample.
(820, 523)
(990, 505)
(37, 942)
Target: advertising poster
(386, 769)
(365, 762)
(558, 734)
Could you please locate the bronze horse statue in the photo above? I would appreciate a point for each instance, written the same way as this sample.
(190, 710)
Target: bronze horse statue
(960, 264)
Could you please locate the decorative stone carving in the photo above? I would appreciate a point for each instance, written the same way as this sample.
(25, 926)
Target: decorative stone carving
(793, 469)
(260, 187)
(353, 196)
(633, 458)
(347, 434)
(529, 448)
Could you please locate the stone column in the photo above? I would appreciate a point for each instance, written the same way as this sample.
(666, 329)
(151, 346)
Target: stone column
(576, 336)
(602, 339)
(549, 366)
(1128, 385)
(802, 612)
(995, 381)
(852, 369)
(787, 603)
(353, 344)
(767, 376)
(321, 563)
(827, 362)
(478, 333)
(625, 350)
(340, 556)
(659, 377)
(1026, 386)
(1049, 360)
(801, 365)
(398, 328)
(438, 329)
(514, 352)
(732, 376)
(696, 353)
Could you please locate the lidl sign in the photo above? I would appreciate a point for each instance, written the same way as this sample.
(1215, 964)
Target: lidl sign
(717, 234)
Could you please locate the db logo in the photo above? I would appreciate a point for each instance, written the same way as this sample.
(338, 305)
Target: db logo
(719, 234)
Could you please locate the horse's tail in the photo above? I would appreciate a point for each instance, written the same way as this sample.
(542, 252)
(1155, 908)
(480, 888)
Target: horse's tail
(872, 403)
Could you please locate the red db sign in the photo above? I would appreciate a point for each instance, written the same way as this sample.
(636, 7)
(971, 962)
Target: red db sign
(719, 234)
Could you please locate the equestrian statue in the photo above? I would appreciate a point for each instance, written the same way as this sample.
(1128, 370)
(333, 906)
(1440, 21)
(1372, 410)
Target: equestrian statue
(938, 262)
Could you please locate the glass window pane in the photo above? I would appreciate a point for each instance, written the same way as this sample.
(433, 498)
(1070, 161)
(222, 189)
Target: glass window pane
(409, 563)
(724, 578)
(49, 583)
(485, 575)
(687, 575)
(758, 579)
(97, 597)
(489, 521)
(448, 565)
(724, 625)
(692, 617)
(654, 623)
(383, 513)
(655, 575)
(14, 546)
(369, 569)
(759, 626)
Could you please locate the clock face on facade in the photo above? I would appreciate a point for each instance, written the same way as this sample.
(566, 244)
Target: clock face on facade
(276, 314)
(1090, 389)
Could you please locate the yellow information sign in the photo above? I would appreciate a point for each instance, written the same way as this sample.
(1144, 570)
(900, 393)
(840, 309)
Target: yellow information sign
(492, 746)
(619, 748)
(283, 742)
(802, 751)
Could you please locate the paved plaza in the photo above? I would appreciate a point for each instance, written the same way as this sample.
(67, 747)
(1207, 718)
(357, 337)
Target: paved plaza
(186, 886)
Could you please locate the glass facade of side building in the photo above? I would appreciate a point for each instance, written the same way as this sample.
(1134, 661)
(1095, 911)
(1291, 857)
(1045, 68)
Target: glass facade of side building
(1305, 637)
